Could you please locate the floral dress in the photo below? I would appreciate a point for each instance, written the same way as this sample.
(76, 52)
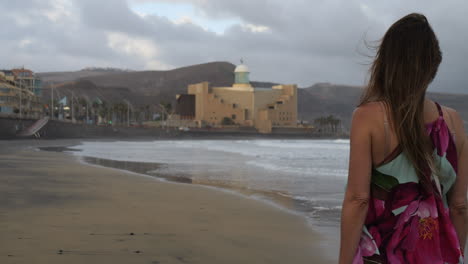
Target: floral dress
(403, 224)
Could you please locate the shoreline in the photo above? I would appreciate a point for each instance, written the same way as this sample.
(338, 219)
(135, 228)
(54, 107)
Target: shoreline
(260, 217)
(244, 194)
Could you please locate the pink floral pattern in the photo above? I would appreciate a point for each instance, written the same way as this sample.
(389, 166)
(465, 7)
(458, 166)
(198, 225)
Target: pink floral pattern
(408, 225)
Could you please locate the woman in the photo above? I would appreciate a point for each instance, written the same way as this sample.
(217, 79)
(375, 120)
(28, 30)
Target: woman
(405, 200)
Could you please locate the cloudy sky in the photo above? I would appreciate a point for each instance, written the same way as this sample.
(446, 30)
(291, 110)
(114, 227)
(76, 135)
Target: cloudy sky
(286, 41)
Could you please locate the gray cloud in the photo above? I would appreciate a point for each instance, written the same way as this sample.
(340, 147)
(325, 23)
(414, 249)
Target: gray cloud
(114, 15)
(302, 41)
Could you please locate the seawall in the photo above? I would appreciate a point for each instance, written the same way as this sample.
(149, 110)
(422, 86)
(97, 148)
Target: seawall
(55, 129)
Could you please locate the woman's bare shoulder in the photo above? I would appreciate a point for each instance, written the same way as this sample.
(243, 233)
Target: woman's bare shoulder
(368, 112)
(369, 107)
(449, 109)
(454, 117)
(456, 126)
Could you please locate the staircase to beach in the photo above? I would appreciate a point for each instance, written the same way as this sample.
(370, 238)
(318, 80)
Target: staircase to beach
(34, 128)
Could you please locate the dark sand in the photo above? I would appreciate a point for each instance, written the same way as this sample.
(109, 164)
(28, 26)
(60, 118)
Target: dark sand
(54, 209)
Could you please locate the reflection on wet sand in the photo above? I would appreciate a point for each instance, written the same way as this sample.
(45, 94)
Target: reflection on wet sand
(151, 169)
(137, 167)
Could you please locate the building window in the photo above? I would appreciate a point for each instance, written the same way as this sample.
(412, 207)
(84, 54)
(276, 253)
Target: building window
(279, 102)
(271, 107)
(234, 105)
(233, 117)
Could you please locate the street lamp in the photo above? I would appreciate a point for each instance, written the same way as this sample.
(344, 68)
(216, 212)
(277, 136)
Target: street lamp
(21, 98)
(128, 112)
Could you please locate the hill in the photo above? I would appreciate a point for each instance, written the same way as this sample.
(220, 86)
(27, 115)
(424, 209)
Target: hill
(142, 87)
(324, 99)
(60, 77)
(340, 100)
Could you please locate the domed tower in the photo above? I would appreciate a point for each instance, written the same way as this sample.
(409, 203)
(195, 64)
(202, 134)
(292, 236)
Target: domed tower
(242, 74)
(242, 80)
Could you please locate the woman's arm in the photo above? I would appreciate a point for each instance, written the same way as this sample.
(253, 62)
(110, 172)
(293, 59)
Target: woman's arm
(457, 196)
(356, 200)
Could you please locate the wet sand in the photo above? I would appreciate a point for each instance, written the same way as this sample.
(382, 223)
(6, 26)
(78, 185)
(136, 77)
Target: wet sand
(54, 209)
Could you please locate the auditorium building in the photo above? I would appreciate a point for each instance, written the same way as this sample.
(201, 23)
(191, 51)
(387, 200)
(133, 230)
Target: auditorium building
(239, 105)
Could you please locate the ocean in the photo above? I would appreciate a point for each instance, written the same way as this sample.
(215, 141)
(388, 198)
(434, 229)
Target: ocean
(307, 177)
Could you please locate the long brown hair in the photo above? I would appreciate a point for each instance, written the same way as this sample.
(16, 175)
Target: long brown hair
(406, 62)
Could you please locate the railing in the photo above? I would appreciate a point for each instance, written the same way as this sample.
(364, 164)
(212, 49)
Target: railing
(35, 127)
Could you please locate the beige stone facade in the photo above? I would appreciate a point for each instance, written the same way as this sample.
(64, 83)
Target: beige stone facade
(245, 105)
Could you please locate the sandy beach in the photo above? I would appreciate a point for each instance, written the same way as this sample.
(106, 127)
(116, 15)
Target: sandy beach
(54, 209)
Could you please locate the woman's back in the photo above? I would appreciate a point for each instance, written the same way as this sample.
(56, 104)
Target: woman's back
(384, 139)
(403, 223)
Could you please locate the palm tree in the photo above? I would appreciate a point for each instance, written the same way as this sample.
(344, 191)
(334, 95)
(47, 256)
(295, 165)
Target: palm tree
(147, 113)
(329, 124)
(320, 122)
(120, 109)
(103, 110)
(82, 105)
(334, 123)
(166, 109)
